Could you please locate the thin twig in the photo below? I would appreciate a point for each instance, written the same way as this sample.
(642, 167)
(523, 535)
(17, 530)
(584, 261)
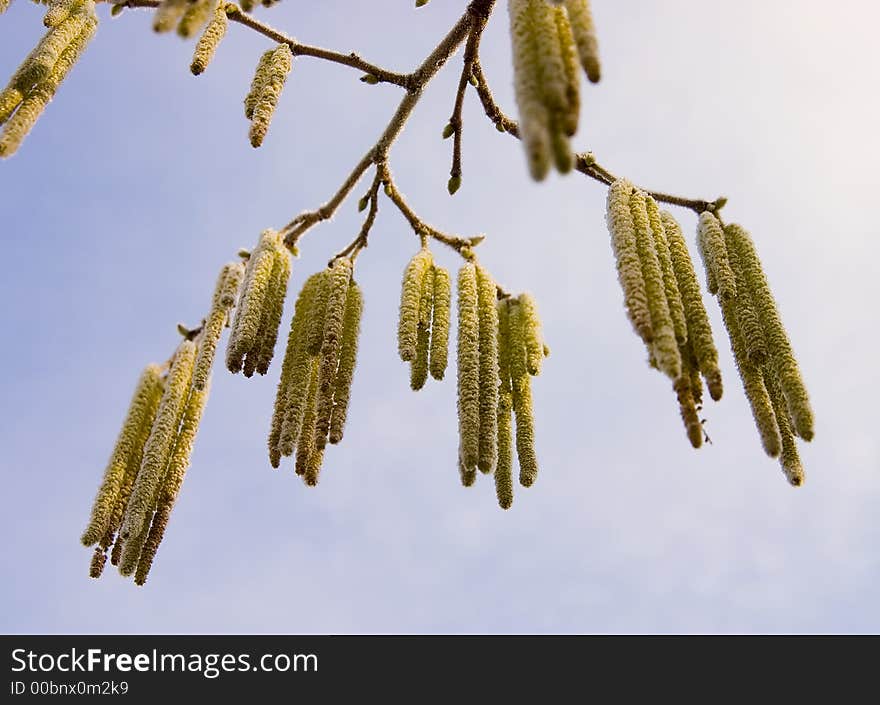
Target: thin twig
(360, 242)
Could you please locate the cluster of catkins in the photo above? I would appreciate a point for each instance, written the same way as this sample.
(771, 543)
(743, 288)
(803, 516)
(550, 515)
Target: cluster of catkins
(499, 345)
(311, 404)
(152, 453)
(552, 40)
(663, 300)
(72, 24)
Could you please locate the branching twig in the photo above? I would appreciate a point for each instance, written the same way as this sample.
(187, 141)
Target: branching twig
(360, 242)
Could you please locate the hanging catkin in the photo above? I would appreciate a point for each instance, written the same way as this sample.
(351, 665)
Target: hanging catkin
(670, 285)
(159, 444)
(468, 366)
(168, 14)
(410, 302)
(210, 40)
(195, 17)
(789, 458)
(504, 466)
(522, 398)
(351, 326)
(305, 444)
(746, 315)
(440, 322)
(60, 10)
(532, 335)
(178, 464)
(664, 347)
(699, 330)
(489, 380)
(224, 296)
(260, 356)
(338, 286)
(581, 19)
(687, 403)
(713, 250)
(129, 445)
(278, 67)
(534, 117)
(260, 75)
(419, 365)
(571, 115)
(781, 355)
(629, 269)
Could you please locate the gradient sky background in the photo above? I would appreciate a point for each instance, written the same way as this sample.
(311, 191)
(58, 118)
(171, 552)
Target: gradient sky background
(139, 183)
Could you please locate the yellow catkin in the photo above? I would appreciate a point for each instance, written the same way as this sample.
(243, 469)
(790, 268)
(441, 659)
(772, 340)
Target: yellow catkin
(532, 335)
(746, 314)
(160, 442)
(313, 467)
(568, 48)
(410, 301)
(133, 545)
(264, 108)
(131, 438)
(534, 118)
(338, 286)
(468, 366)
(4, 5)
(584, 31)
(789, 458)
(419, 364)
(698, 326)
(753, 383)
(629, 269)
(522, 398)
(177, 466)
(468, 475)
(210, 40)
(351, 328)
(39, 64)
(687, 404)
(664, 347)
(260, 355)
(248, 314)
(10, 99)
(305, 445)
(195, 17)
(670, 284)
(259, 79)
(713, 249)
(504, 466)
(60, 10)
(213, 326)
(487, 310)
(168, 14)
(781, 355)
(440, 322)
(294, 376)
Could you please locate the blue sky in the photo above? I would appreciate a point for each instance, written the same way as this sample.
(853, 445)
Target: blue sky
(138, 183)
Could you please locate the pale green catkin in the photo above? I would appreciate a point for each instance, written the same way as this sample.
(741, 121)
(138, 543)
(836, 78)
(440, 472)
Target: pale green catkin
(713, 249)
(351, 328)
(264, 108)
(260, 356)
(468, 475)
(698, 326)
(210, 40)
(10, 99)
(504, 466)
(159, 444)
(168, 14)
(338, 284)
(294, 376)
(60, 10)
(534, 117)
(468, 366)
(133, 545)
(260, 75)
(305, 445)
(571, 116)
(687, 403)
(40, 63)
(140, 414)
(178, 464)
(629, 269)
(665, 346)
(522, 398)
(195, 17)
(440, 322)
(248, 314)
(753, 383)
(781, 355)
(149, 547)
(213, 326)
(581, 19)
(410, 301)
(419, 364)
(487, 310)
(746, 315)
(532, 335)
(789, 458)
(670, 284)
